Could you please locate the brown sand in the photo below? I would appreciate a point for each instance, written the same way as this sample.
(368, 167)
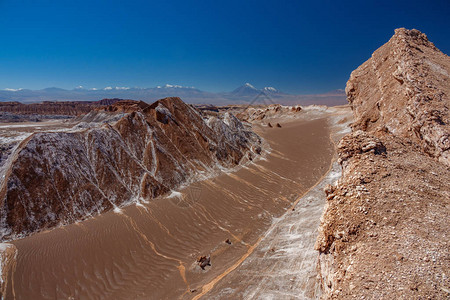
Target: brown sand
(149, 251)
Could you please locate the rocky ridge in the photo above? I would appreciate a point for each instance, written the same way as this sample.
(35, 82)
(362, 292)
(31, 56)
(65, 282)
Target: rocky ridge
(20, 112)
(124, 153)
(384, 231)
(403, 89)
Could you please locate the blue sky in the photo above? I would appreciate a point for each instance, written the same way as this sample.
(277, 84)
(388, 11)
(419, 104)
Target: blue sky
(296, 46)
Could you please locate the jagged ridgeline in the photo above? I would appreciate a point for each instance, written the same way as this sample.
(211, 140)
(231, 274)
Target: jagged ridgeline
(384, 232)
(404, 89)
(116, 155)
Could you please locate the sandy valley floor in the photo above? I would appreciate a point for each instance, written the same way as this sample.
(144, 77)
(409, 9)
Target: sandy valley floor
(257, 224)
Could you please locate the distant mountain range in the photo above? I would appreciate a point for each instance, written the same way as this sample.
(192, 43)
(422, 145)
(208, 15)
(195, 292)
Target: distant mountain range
(246, 93)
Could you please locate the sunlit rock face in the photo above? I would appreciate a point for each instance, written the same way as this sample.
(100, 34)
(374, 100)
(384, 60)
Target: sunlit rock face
(404, 89)
(394, 186)
(117, 155)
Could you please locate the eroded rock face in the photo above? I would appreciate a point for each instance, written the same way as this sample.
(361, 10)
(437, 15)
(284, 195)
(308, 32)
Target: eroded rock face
(405, 88)
(384, 232)
(137, 153)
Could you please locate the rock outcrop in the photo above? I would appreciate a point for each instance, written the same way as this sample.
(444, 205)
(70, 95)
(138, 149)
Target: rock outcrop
(116, 155)
(404, 88)
(384, 232)
(250, 114)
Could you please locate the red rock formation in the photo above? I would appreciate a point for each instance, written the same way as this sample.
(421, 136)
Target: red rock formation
(384, 233)
(404, 88)
(127, 152)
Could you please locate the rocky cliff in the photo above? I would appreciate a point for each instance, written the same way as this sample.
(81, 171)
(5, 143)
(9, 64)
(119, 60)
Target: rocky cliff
(384, 232)
(116, 155)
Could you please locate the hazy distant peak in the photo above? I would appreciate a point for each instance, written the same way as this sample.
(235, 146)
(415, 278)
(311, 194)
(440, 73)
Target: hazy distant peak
(12, 90)
(109, 88)
(246, 90)
(174, 86)
(250, 86)
(53, 89)
(244, 93)
(270, 89)
(169, 86)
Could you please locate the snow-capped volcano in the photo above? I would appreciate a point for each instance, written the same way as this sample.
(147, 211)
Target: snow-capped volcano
(246, 90)
(271, 90)
(249, 90)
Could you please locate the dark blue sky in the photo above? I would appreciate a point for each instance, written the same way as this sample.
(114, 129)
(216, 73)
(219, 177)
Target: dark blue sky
(296, 46)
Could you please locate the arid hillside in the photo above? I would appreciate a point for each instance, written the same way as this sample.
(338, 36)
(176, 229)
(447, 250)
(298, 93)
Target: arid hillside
(124, 153)
(384, 233)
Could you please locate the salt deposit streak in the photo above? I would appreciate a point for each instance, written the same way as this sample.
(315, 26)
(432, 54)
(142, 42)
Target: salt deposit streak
(283, 266)
(174, 194)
